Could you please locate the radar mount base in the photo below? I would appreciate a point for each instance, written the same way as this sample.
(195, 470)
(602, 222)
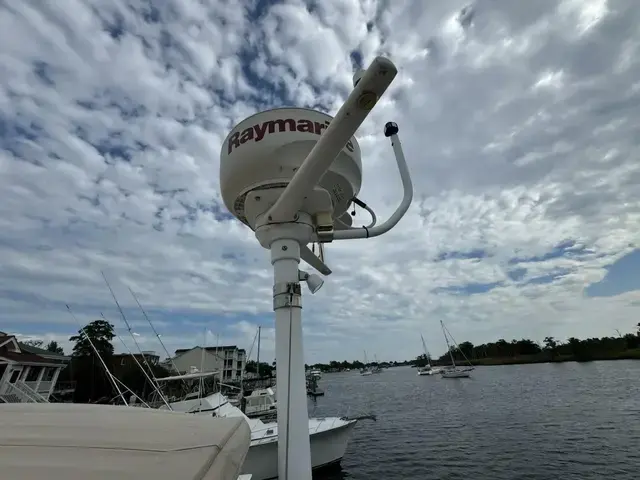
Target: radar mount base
(285, 240)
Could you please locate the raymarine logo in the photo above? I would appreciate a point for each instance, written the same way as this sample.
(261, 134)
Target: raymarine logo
(257, 132)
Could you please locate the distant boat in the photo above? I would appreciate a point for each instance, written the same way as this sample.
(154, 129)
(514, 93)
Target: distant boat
(261, 403)
(377, 368)
(455, 372)
(427, 369)
(366, 370)
(312, 386)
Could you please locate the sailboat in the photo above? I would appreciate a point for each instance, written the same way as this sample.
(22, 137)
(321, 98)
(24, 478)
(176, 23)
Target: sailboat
(428, 369)
(377, 368)
(454, 372)
(262, 401)
(365, 370)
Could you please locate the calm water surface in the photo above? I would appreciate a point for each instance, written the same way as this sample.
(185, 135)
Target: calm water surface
(571, 421)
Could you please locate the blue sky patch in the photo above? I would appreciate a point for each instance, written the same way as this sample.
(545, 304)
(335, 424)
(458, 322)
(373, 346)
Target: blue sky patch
(622, 277)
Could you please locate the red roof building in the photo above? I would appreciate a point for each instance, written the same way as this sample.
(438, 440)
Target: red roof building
(27, 376)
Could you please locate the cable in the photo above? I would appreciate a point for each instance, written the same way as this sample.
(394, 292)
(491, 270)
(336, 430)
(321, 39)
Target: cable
(361, 204)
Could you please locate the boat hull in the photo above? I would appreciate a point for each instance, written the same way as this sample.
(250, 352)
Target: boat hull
(327, 448)
(455, 375)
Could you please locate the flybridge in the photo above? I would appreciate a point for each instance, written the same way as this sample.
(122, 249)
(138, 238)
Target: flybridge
(257, 132)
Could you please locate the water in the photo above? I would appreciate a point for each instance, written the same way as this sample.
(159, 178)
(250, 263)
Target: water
(572, 421)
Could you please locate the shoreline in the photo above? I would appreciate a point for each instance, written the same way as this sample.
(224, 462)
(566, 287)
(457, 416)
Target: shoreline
(546, 358)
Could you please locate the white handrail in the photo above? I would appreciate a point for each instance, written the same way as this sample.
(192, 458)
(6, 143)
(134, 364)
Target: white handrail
(392, 221)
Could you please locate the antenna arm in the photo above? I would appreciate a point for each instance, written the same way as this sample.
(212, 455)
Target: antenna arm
(363, 232)
(370, 87)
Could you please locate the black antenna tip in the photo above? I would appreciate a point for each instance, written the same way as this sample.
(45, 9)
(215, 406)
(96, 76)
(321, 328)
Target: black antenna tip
(391, 128)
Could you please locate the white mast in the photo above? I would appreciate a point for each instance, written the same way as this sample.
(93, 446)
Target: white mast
(446, 339)
(458, 346)
(154, 382)
(426, 352)
(169, 356)
(153, 386)
(258, 355)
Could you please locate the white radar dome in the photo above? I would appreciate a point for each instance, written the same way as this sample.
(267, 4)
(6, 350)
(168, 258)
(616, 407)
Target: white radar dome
(266, 149)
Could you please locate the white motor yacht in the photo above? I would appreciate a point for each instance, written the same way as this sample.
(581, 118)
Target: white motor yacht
(328, 436)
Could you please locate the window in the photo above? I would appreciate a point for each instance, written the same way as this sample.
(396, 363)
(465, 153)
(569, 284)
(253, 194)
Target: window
(14, 376)
(123, 361)
(48, 374)
(32, 376)
(239, 373)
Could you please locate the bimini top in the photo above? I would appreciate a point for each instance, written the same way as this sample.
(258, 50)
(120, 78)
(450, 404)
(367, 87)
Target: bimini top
(100, 442)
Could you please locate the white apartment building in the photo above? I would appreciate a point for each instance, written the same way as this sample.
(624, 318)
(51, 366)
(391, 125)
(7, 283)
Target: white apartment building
(229, 359)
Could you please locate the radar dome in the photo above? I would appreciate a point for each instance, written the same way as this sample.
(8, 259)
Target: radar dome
(266, 149)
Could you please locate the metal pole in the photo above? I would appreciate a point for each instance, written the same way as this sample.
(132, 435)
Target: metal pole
(294, 453)
(258, 355)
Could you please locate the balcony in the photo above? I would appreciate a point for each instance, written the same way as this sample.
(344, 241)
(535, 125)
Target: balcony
(43, 388)
(64, 387)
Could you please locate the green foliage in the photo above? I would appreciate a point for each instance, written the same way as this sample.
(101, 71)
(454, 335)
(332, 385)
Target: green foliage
(422, 360)
(53, 347)
(266, 370)
(526, 351)
(92, 382)
(100, 333)
(357, 365)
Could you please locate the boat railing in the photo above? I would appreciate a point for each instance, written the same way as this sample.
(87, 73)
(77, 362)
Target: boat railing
(324, 420)
(268, 432)
(68, 385)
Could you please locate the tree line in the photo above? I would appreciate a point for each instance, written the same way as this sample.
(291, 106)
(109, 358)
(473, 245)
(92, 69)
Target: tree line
(524, 350)
(52, 346)
(86, 369)
(551, 350)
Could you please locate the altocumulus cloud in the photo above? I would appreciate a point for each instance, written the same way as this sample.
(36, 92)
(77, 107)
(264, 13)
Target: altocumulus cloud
(518, 120)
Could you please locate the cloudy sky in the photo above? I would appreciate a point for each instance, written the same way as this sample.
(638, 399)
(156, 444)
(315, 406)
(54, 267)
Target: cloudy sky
(517, 122)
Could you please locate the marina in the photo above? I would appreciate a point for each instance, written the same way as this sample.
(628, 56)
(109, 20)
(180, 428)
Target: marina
(193, 283)
(496, 402)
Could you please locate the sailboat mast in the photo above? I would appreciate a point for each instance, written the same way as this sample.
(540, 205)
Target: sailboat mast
(446, 339)
(258, 355)
(169, 356)
(426, 353)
